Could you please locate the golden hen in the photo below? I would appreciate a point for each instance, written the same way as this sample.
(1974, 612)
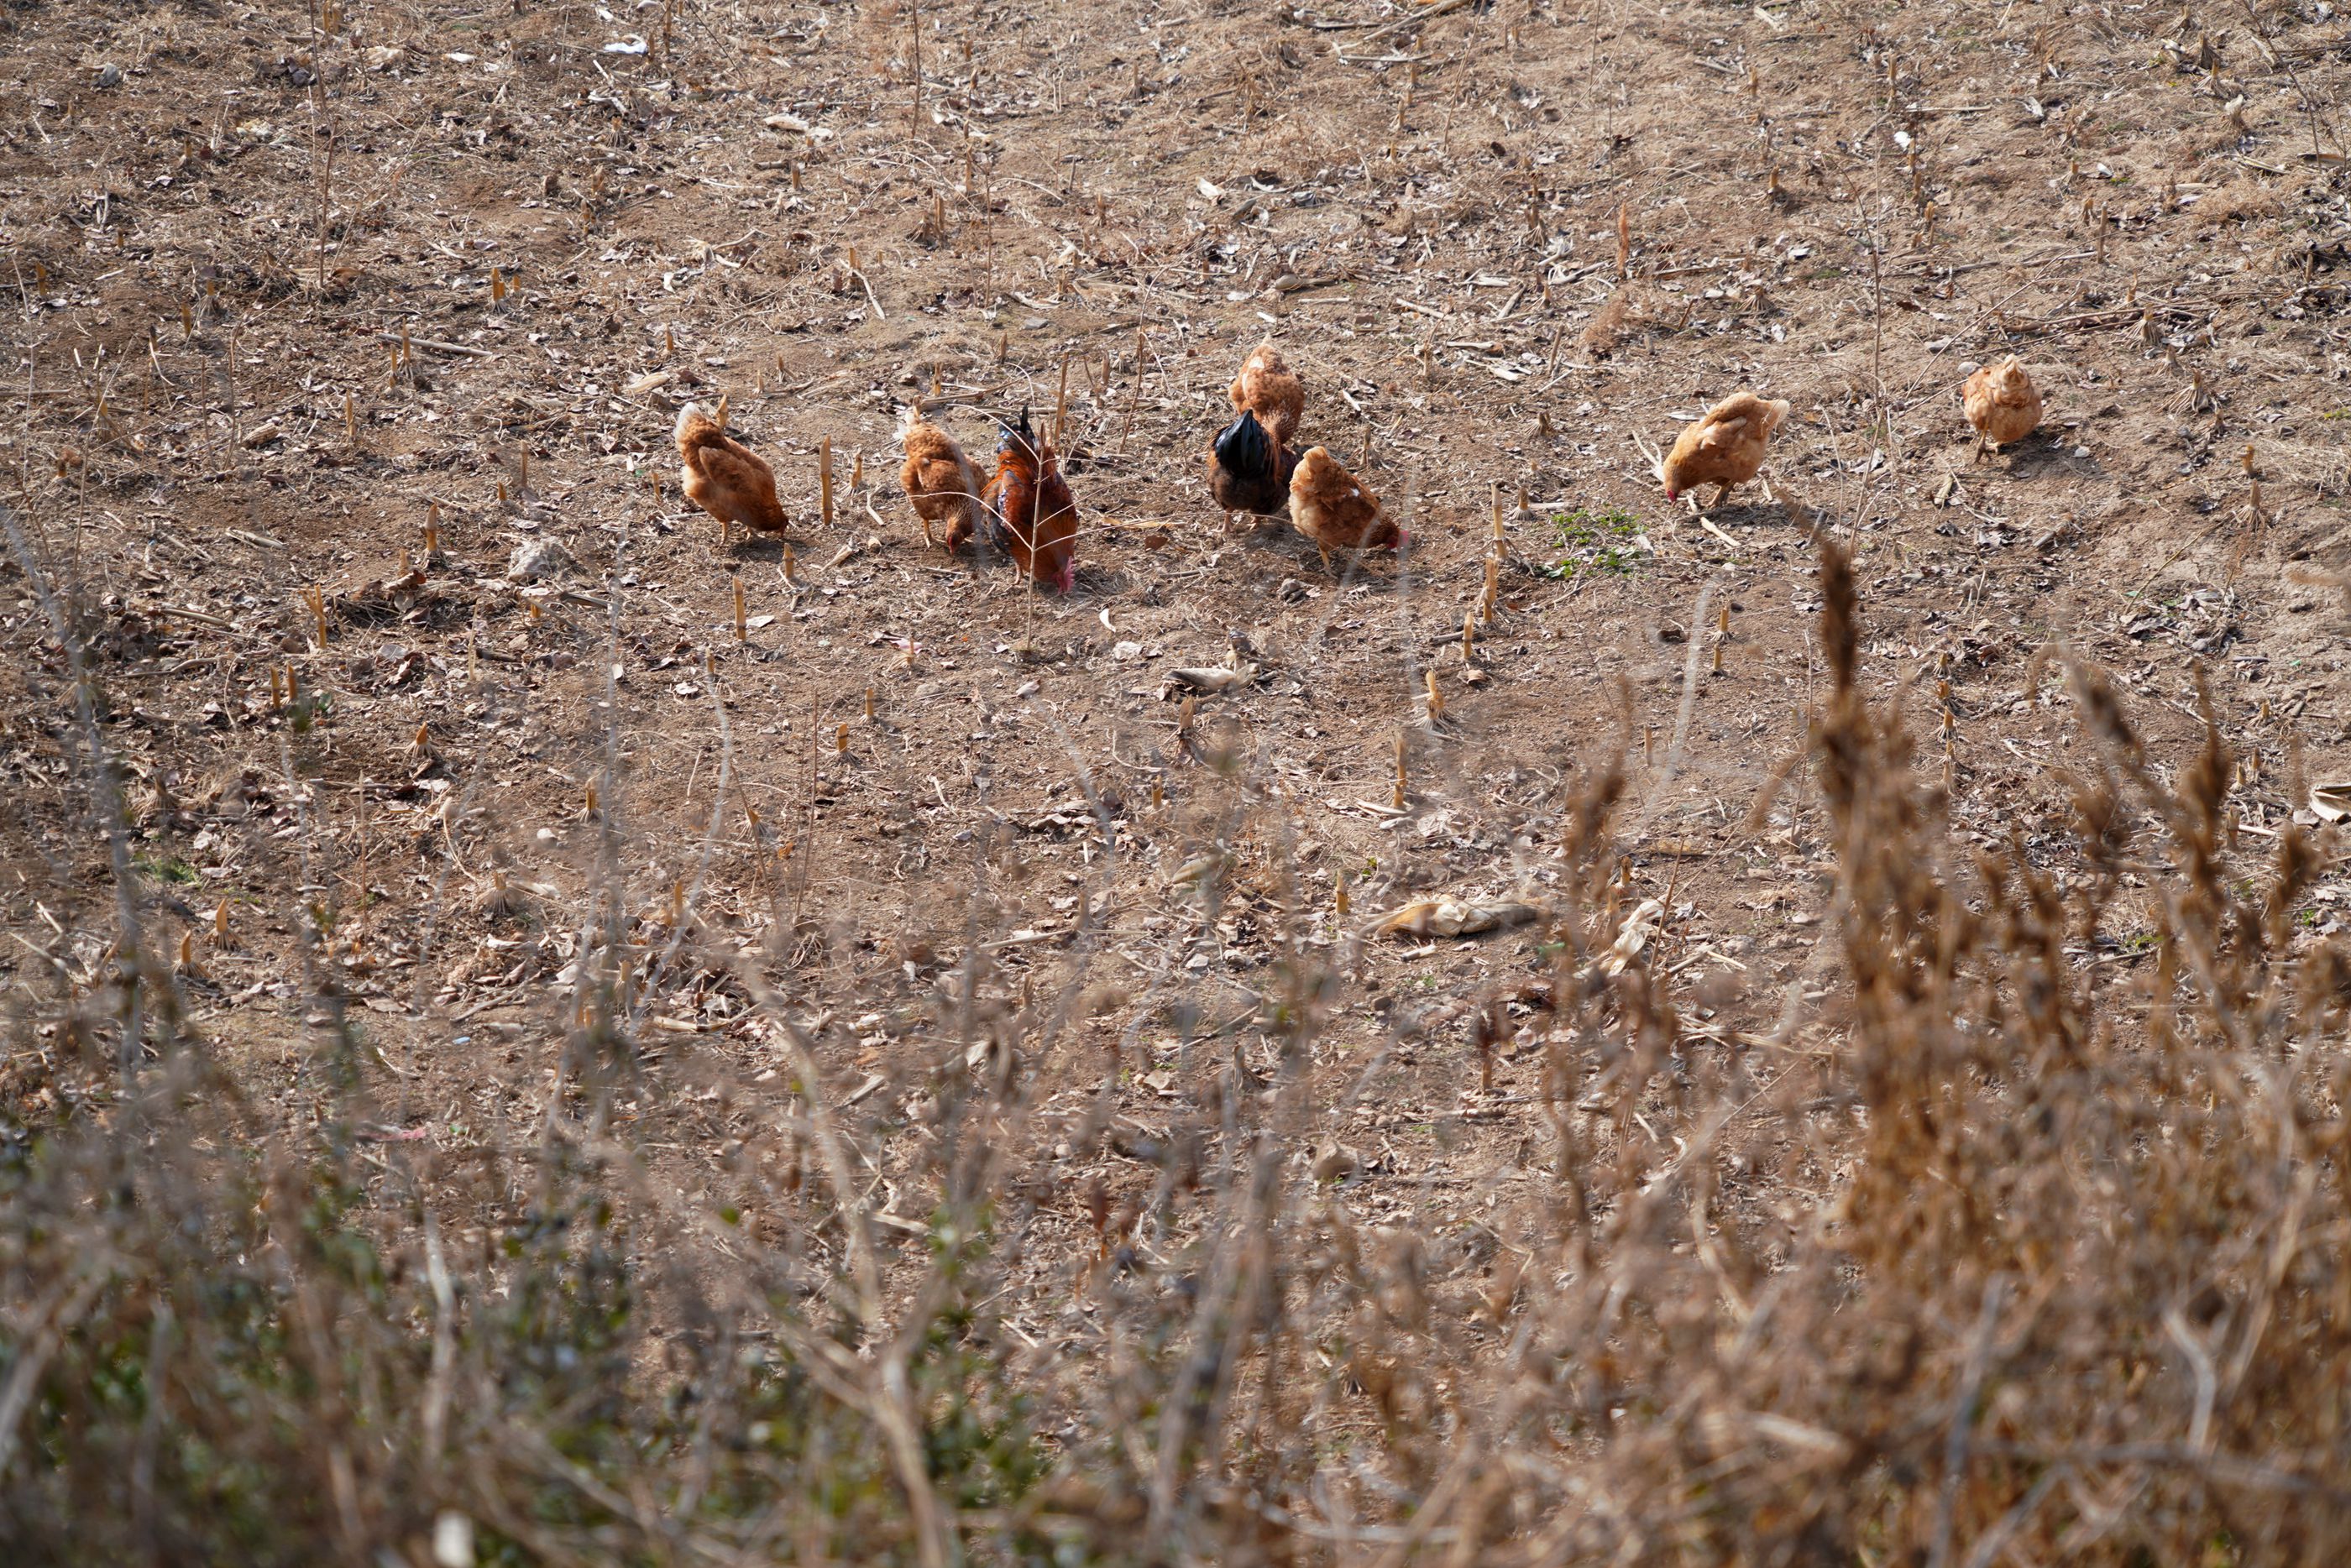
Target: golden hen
(1033, 516)
(1724, 447)
(724, 477)
(1335, 513)
(1267, 388)
(2002, 404)
(940, 480)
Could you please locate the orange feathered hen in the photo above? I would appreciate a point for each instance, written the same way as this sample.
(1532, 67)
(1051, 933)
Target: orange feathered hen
(2003, 403)
(723, 476)
(1034, 516)
(1724, 447)
(1334, 512)
(940, 481)
(1267, 388)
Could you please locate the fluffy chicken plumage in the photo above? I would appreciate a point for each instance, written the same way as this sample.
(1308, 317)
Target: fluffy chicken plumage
(2001, 402)
(1335, 513)
(1035, 517)
(1249, 471)
(1267, 388)
(940, 481)
(1724, 447)
(723, 476)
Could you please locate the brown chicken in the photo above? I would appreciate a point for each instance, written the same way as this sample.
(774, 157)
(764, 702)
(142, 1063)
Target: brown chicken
(724, 477)
(1337, 513)
(2003, 403)
(1032, 517)
(1267, 388)
(1724, 448)
(939, 480)
(1249, 471)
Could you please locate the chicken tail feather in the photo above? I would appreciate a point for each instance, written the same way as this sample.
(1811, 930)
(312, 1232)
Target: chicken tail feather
(1245, 449)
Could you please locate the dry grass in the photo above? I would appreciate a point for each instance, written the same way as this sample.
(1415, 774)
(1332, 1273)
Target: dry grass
(2045, 1264)
(1810, 1037)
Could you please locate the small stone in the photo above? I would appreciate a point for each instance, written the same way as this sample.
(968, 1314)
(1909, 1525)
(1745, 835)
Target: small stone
(109, 75)
(453, 1540)
(1335, 1162)
(535, 558)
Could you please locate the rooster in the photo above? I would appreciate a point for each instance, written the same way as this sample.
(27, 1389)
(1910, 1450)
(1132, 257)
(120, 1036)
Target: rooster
(2002, 404)
(1249, 471)
(1035, 517)
(1724, 447)
(1337, 513)
(939, 480)
(724, 477)
(1267, 388)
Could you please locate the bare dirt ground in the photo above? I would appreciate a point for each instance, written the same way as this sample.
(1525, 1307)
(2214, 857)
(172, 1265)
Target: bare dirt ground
(321, 328)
